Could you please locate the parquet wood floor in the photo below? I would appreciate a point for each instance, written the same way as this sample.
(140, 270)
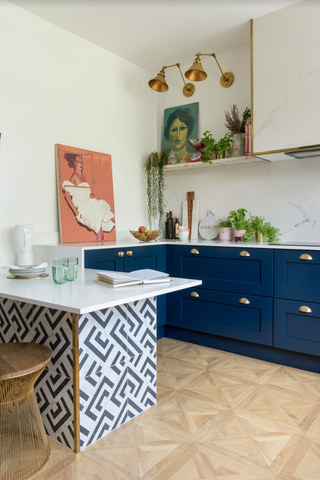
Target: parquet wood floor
(219, 416)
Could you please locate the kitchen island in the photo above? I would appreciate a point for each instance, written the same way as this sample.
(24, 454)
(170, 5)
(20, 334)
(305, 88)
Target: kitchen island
(103, 342)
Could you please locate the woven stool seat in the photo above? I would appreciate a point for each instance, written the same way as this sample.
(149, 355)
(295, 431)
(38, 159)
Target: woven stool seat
(24, 446)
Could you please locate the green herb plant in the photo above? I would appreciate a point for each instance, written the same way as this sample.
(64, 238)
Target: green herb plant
(271, 233)
(213, 147)
(238, 218)
(224, 144)
(225, 223)
(155, 174)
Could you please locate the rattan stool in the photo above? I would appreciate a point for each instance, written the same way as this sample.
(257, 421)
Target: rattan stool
(24, 447)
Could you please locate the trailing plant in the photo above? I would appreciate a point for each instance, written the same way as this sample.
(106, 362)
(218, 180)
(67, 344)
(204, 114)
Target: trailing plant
(235, 121)
(155, 174)
(238, 218)
(215, 147)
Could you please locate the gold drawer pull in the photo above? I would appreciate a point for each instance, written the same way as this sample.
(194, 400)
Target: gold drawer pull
(194, 251)
(305, 256)
(129, 253)
(305, 309)
(244, 301)
(244, 254)
(194, 294)
(120, 254)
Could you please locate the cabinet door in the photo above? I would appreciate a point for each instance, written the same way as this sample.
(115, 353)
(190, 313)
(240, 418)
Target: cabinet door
(222, 314)
(105, 259)
(227, 269)
(296, 330)
(145, 257)
(297, 275)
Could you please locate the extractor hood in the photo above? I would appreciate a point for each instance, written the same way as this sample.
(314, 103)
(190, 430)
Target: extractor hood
(303, 153)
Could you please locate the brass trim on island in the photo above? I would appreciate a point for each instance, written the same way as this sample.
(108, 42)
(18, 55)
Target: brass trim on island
(76, 382)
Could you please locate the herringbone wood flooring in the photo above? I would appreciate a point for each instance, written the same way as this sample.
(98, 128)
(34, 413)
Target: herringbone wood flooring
(219, 416)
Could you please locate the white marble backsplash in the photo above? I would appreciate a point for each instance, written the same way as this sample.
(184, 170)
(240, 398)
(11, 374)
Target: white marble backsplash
(286, 193)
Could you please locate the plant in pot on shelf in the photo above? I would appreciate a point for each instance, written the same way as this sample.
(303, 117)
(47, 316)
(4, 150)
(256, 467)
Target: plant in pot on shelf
(236, 123)
(226, 230)
(217, 148)
(155, 174)
(265, 232)
(239, 222)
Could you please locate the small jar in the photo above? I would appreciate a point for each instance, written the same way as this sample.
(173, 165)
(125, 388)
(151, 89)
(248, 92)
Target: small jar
(172, 158)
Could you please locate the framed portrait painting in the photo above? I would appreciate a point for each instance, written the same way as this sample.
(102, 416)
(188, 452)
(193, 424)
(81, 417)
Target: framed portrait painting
(180, 124)
(85, 195)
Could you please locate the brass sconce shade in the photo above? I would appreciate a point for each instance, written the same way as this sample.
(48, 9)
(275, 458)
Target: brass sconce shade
(197, 74)
(159, 83)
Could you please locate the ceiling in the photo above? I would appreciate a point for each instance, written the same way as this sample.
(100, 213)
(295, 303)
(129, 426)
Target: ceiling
(152, 33)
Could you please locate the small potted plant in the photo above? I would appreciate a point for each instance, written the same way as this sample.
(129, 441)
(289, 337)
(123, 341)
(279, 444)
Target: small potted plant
(217, 148)
(239, 222)
(236, 123)
(265, 232)
(226, 230)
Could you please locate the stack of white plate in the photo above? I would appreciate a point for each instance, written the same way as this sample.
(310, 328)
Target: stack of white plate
(30, 272)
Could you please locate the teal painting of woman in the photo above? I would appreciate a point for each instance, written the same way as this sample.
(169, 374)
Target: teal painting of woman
(180, 124)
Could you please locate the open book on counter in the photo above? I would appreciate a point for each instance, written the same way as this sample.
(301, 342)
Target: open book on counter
(137, 277)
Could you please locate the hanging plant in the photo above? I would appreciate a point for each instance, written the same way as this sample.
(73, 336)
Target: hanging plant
(155, 188)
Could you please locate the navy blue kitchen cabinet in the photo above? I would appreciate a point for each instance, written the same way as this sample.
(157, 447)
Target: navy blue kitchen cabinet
(297, 326)
(129, 259)
(297, 275)
(228, 315)
(237, 270)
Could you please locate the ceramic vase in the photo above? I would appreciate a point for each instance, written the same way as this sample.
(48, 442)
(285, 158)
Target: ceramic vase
(226, 234)
(23, 236)
(238, 235)
(238, 145)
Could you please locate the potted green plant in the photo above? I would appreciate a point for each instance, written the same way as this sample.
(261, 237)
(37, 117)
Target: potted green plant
(155, 174)
(217, 148)
(265, 232)
(239, 222)
(236, 123)
(225, 230)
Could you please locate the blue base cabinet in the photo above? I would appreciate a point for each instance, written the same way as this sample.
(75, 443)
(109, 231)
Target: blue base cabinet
(129, 259)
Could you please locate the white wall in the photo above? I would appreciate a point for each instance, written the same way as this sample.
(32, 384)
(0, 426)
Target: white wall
(58, 88)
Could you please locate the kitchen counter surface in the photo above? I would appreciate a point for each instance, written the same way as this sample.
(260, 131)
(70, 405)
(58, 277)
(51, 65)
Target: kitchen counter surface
(82, 295)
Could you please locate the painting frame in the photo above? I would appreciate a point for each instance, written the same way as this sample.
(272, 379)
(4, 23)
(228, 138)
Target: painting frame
(180, 124)
(85, 195)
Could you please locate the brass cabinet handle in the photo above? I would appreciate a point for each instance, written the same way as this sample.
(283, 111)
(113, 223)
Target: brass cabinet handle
(129, 253)
(194, 251)
(305, 256)
(120, 254)
(194, 294)
(244, 301)
(244, 254)
(305, 309)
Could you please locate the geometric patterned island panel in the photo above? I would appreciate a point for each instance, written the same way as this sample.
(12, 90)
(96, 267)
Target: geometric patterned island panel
(117, 363)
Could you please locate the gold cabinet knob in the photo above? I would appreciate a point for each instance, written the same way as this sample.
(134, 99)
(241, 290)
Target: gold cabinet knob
(129, 253)
(194, 294)
(305, 309)
(244, 254)
(120, 254)
(194, 251)
(244, 301)
(305, 256)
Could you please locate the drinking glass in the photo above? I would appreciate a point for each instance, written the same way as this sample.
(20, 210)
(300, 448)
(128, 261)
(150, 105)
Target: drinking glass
(59, 270)
(72, 268)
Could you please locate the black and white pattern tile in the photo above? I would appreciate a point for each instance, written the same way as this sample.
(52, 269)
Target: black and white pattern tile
(117, 361)
(22, 322)
(117, 367)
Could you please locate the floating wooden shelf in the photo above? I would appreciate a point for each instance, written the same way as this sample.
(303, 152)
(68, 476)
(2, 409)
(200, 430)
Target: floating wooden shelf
(215, 163)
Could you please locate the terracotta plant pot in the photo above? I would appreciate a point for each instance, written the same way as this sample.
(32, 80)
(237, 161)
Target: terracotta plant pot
(238, 235)
(226, 234)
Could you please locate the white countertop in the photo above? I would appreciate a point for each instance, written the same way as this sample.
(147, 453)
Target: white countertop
(82, 295)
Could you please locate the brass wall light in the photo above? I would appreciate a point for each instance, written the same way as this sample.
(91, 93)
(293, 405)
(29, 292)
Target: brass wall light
(159, 83)
(197, 74)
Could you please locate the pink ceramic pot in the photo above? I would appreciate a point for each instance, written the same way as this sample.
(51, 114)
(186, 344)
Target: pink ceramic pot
(238, 234)
(226, 234)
